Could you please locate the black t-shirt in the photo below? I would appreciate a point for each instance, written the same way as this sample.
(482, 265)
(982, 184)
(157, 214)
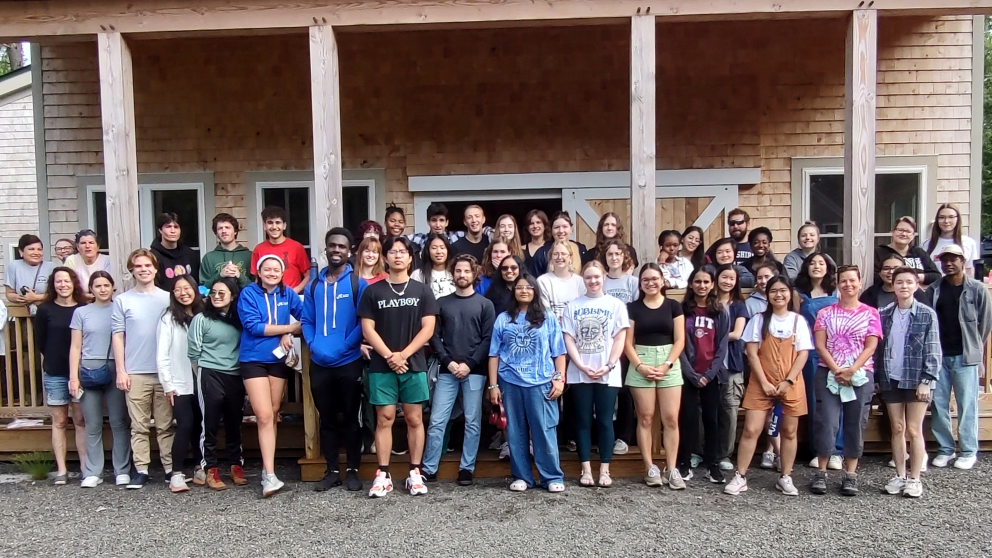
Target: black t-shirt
(475, 249)
(949, 319)
(654, 327)
(53, 336)
(397, 318)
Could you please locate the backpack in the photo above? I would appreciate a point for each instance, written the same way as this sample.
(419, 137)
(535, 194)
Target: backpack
(354, 288)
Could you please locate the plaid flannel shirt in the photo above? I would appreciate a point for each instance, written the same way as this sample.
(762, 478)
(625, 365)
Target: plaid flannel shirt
(922, 357)
(420, 238)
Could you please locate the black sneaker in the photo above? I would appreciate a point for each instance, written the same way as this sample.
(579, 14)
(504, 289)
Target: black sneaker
(351, 481)
(330, 480)
(465, 478)
(715, 475)
(819, 484)
(138, 481)
(430, 477)
(685, 471)
(849, 485)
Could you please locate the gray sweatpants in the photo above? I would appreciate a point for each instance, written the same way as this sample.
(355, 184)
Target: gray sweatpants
(731, 395)
(120, 426)
(827, 417)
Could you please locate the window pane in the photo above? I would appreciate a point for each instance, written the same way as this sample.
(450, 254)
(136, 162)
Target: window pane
(834, 247)
(896, 195)
(185, 204)
(100, 216)
(356, 206)
(826, 202)
(296, 202)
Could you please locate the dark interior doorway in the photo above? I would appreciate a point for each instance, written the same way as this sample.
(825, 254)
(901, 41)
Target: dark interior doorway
(495, 208)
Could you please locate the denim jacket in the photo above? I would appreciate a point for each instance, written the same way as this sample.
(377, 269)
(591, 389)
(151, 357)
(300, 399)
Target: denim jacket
(975, 313)
(922, 357)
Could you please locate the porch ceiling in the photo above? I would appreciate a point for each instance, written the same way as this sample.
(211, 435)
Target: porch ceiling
(40, 18)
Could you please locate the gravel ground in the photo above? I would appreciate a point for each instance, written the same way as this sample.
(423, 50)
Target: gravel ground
(630, 519)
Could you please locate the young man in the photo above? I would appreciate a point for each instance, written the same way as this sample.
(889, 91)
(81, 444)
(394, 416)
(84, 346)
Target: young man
(964, 316)
(397, 320)
(758, 301)
(174, 259)
(291, 252)
(437, 218)
(475, 241)
(738, 221)
(333, 332)
(228, 259)
(26, 280)
(461, 343)
(134, 322)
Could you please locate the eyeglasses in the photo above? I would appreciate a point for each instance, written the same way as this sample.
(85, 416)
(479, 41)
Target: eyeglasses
(510, 268)
(736, 222)
(904, 231)
(523, 288)
(219, 294)
(398, 252)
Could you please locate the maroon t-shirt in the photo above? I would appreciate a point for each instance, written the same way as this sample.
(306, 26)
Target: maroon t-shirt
(704, 337)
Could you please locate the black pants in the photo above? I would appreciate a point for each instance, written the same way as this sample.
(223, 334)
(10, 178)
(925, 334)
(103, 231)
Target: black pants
(186, 411)
(222, 397)
(599, 400)
(338, 390)
(626, 420)
(696, 401)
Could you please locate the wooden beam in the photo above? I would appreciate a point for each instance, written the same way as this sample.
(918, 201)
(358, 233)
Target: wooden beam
(25, 19)
(119, 156)
(859, 141)
(642, 136)
(326, 99)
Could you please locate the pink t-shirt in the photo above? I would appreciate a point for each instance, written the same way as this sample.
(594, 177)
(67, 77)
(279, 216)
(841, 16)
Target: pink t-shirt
(847, 331)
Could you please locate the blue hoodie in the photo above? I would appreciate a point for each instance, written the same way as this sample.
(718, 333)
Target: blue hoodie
(333, 334)
(258, 309)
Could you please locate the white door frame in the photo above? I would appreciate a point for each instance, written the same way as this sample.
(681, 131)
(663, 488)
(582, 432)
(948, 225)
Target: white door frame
(422, 200)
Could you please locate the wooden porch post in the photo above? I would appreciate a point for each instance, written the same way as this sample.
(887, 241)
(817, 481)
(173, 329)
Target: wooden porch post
(642, 136)
(326, 127)
(859, 141)
(120, 167)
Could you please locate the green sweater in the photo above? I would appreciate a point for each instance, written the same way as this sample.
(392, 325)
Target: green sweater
(214, 344)
(216, 259)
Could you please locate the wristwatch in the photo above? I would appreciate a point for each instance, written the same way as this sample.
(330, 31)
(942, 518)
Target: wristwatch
(791, 383)
(610, 365)
(556, 377)
(668, 363)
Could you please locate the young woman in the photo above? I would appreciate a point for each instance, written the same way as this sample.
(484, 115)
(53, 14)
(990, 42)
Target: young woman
(816, 289)
(370, 229)
(526, 373)
(52, 336)
(809, 242)
(90, 349)
(610, 228)
(617, 262)
(760, 240)
(177, 378)
(728, 293)
(907, 363)
(723, 252)
(947, 230)
(507, 231)
(903, 235)
(847, 334)
(265, 309)
(538, 234)
(500, 291)
(675, 268)
(692, 246)
(561, 230)
(560, 285)
(368, 264)
(492, 257)
(882, 293)
(434, 269)
(653, 345)
(595, 326)
(87, 259)
(778, 342)
(707, 329)
(213, 340)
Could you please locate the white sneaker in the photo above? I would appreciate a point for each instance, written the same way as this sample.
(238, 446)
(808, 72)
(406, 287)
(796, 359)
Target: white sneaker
(122, 480)
(895, 485)
(381, 486)
(271, 484)
(785, 486)
(768, 460)
(965, 462)
(695, 460)
(518, 486)
(93, 482)
(943, 460)
(620, 447)
(913, 489)
(178, 483)
(726, 465)
(736, 485)
(504, 451)
(653, 478)
(814, 463)
(415, 483)
(835, 463)
(674, 479)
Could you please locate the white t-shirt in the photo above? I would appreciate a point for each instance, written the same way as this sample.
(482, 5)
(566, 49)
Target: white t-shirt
(968, 244)
(83, 271)
(593, 323)
(624, 288)
(442, 284)
(780, 328)
(556, 293)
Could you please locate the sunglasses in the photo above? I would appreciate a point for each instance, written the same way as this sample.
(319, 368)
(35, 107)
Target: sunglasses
(736, 222)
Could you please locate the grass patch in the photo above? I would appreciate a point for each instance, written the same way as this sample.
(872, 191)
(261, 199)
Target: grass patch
(37, 464)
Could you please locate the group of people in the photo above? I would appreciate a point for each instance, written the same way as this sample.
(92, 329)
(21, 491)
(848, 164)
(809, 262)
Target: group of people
(568, 346)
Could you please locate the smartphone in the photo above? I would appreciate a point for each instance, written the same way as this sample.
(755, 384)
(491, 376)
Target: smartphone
(279, 352)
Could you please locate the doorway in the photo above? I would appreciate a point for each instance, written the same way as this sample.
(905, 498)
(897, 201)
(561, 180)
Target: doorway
(494, 204)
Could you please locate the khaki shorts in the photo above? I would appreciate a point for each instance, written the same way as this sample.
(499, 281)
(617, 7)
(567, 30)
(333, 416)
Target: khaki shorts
(654, 356)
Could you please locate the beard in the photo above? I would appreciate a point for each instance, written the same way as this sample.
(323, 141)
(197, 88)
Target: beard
(738, 235)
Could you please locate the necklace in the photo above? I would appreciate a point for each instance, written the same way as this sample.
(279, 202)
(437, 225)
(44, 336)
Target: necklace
(400, 293)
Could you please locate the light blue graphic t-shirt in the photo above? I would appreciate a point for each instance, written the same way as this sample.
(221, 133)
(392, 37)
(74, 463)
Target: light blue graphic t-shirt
(526, 354)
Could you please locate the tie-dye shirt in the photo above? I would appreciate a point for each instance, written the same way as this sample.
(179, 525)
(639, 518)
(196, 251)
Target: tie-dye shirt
(847, 331)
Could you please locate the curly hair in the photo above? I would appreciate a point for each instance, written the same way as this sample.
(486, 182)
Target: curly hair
(628, 261)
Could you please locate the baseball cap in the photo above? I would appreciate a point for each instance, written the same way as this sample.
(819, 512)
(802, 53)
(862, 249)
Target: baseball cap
(951, 250)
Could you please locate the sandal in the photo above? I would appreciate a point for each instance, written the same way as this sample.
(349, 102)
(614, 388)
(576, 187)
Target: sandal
(605, 481)
(586, 480)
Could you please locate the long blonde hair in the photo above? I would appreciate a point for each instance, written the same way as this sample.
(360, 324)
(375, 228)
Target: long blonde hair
(514, 243)
(566, 244)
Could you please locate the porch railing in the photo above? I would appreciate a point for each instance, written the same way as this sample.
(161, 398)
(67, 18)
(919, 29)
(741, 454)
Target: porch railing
(21, 393)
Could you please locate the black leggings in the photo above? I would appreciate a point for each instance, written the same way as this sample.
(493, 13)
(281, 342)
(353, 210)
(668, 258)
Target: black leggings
(695, 400)
(338, 390)
(222, 397)
(187, 414)
(601, 399)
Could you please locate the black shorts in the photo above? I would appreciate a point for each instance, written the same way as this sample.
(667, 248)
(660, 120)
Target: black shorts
(279, 369)
(899, 395)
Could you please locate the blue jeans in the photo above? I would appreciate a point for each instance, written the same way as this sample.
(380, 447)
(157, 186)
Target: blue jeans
(964, 381)
(445, 393)
(531, 416)
(809, 373)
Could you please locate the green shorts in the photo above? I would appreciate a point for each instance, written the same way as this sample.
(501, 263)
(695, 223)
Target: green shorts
(654, 356)
(390, 388)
